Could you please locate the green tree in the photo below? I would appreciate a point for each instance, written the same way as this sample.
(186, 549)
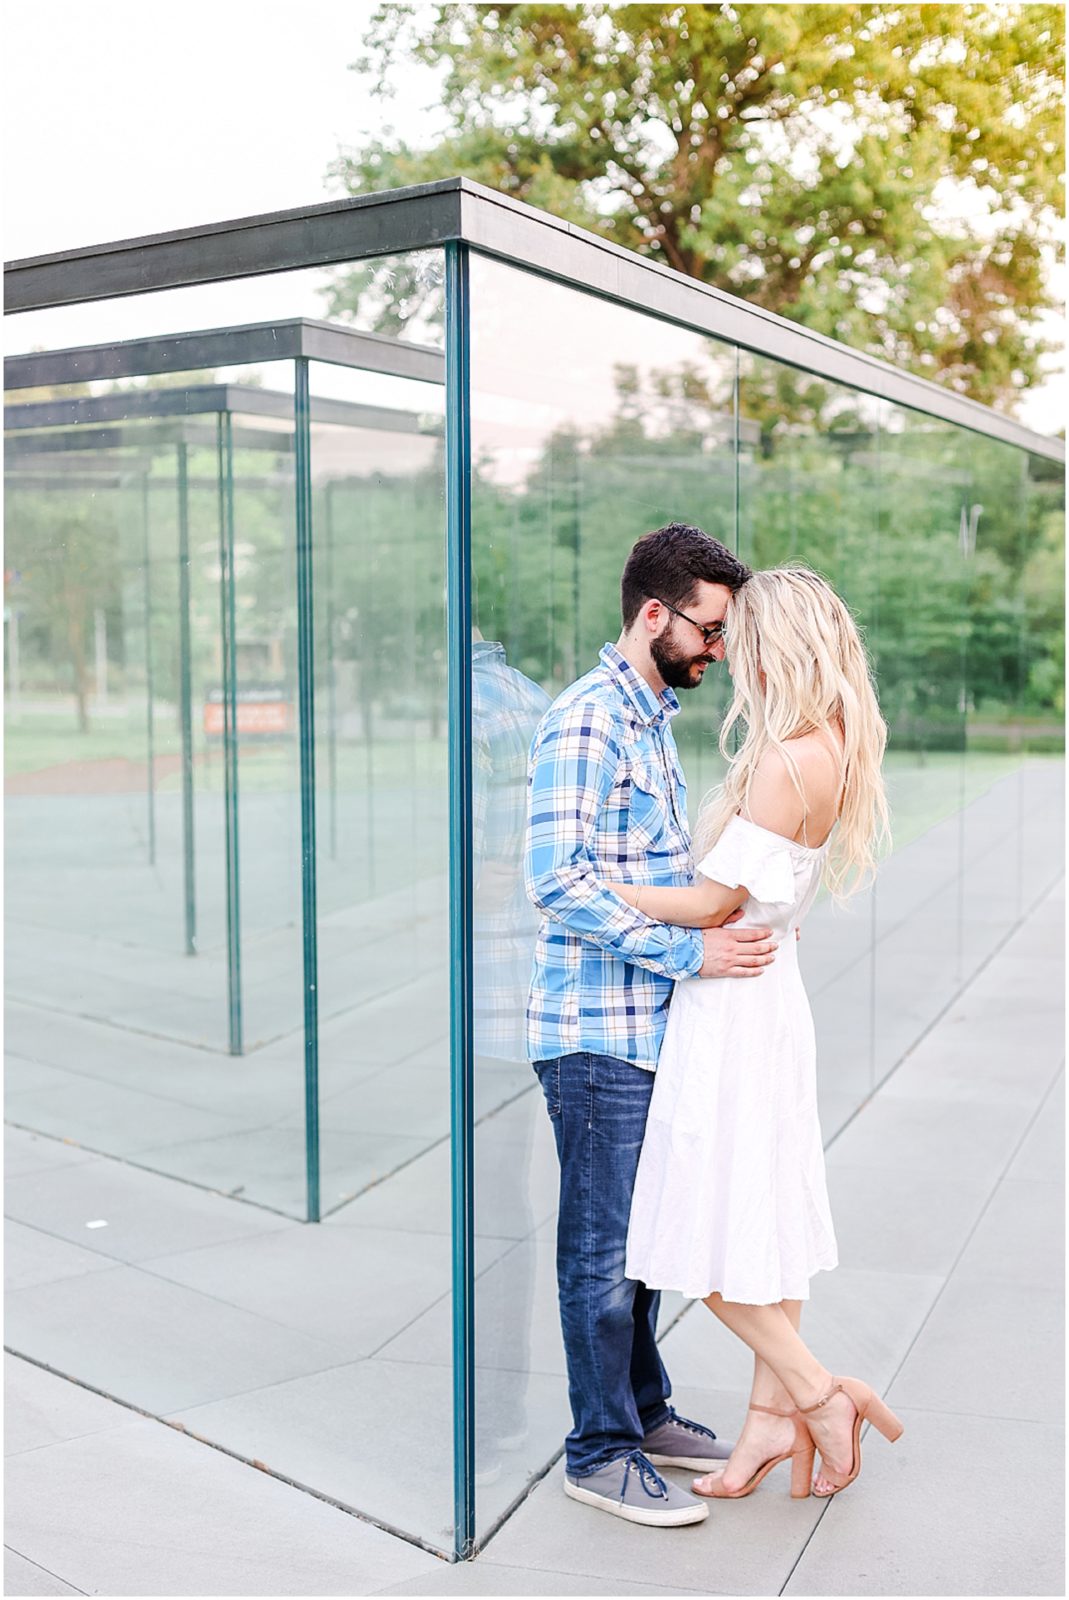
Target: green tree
(887, 175)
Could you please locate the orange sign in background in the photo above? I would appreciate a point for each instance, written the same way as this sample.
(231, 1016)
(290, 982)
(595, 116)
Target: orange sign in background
(253, 716)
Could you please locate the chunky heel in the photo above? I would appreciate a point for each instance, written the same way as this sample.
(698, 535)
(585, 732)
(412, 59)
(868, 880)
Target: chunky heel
(802, 1471)
(881, 1416)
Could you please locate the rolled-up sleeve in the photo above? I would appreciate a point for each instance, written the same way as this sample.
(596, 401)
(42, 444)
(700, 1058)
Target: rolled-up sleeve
(574, 762)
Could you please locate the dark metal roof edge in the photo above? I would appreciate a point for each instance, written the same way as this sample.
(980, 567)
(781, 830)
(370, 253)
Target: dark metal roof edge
(413, 218)
(211, 347)
(734, 319)
(263, 219)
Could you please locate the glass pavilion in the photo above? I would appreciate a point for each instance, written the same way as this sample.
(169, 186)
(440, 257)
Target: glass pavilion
(285, 600)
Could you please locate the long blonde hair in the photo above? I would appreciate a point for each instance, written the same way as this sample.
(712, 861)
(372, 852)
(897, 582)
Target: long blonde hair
(798, 665)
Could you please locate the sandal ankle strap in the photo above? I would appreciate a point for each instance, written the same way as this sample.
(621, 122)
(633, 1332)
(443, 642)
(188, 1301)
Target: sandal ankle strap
(836, 1388)
(772, 1411)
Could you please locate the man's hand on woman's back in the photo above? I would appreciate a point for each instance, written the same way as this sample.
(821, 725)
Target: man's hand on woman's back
(732, 952)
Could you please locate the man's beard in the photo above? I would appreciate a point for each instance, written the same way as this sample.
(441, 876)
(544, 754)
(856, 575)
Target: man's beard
(676, 666)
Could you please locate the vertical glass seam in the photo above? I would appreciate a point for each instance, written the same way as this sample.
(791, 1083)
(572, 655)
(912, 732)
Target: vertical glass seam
(230, 730)
(150, 731)
(458, 630)
(185, 652)
(306, 724)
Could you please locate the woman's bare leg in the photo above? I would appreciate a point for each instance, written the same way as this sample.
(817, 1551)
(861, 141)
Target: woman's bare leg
(762, 1436)
(772, 1334)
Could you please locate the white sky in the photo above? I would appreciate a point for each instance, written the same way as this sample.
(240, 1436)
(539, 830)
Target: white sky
(126, 118)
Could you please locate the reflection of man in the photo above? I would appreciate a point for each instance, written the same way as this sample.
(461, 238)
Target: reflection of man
(506, 709)
(608, 801)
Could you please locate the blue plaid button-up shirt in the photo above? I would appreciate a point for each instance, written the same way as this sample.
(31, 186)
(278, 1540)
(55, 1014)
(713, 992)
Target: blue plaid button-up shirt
(607, 799)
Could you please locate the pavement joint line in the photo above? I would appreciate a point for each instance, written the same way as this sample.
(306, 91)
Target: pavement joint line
(535, 1480)
(879, 936)
(138, 1166)
(234, 1455)
(938, 1018)
(976, 1223)
(46, 1570)
(514, 1245)
(939, 1295)
(435, 1144)
(683, 1310)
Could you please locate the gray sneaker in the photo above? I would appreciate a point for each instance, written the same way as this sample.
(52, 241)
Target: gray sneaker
(629, 1487)
(677, 1442)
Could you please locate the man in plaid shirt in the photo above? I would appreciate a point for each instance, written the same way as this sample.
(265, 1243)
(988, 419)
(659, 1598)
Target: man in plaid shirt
(607, 800)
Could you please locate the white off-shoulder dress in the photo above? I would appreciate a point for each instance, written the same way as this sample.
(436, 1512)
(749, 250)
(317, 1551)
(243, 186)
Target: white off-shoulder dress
(730, 1193)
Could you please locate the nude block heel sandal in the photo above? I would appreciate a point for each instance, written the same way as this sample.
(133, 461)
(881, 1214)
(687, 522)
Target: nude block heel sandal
(800, 1457)
(869, 1408)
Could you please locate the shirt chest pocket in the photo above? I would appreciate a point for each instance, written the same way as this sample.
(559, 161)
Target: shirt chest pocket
(650, 824)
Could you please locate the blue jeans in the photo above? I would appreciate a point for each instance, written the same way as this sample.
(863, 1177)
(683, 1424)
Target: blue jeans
(617, 1384)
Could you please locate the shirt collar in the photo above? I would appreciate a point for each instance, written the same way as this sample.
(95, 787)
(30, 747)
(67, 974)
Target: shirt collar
(650, 707)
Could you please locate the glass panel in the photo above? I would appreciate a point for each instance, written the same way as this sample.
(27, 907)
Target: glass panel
(919, 643)
(157, 967)
(591, 426)
(993, 536)
(1042, 677)
(809, 491)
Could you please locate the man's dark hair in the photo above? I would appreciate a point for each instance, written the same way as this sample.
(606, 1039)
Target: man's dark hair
(668, 565)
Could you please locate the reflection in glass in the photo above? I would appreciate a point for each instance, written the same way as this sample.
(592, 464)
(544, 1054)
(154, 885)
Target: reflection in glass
(567, 475)
(809, 491)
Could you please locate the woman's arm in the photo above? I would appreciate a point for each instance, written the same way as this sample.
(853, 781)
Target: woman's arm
(707, 905)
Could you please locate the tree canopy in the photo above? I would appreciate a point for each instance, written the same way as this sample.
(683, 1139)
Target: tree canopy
(889, 175)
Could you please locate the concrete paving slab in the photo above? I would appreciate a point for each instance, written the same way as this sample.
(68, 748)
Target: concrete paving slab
(120, 1119)
(1042, 1151)
(991, 1526)
(146, 1214)
(161, 1514)
(969, 1062)
(927, 1135)
(352, 1289)
(472, 1577)
(858, 1322)
(525, 1276)
(154, 1343)
(27, 1578)
(209, 1078)
(31, 1256)
(41, 1408)
(269, 1165)
(23, 1076)
(893, 1222)
(744, 1547)
(417, 1197)
(320, 1431)
(26, 1152)
(985, 1371)
(1020, 1238)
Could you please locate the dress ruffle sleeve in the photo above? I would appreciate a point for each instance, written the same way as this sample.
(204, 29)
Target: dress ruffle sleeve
(748, 857)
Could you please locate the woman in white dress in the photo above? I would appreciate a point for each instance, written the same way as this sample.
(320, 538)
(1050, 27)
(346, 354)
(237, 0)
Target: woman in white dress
(730, 1203)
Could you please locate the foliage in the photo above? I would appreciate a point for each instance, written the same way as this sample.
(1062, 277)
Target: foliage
(887, 175)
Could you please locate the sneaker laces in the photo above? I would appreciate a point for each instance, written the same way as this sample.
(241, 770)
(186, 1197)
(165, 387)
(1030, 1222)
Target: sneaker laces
(692, 1427)
(648, 1476)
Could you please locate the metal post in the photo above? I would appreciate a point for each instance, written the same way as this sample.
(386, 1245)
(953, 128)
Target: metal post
(185, 692)
(230, 730)
(458, 645)
(306, 722)
(150, 741)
